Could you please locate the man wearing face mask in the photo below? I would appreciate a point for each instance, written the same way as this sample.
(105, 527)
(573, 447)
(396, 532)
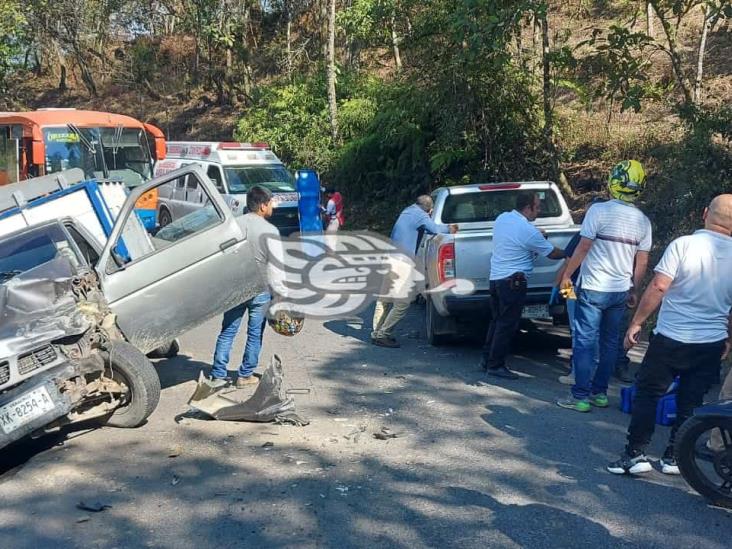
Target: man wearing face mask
(516, 244)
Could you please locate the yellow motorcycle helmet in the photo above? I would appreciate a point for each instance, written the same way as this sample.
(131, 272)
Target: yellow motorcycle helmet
(286, 323)
(627, 180)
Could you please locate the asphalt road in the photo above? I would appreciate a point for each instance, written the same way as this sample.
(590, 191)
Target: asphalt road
(473, 466)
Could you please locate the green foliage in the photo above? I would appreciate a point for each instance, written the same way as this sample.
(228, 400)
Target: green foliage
(689, 174)
(12, 36)
(293, 119)
(621, 64)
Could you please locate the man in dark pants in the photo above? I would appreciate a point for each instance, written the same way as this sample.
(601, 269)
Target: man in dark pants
(693, 286)
(516, 243)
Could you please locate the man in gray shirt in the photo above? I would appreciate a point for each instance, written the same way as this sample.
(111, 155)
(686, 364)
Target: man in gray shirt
(256, 227)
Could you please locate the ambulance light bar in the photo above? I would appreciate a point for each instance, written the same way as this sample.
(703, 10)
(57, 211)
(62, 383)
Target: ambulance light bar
(234, 146)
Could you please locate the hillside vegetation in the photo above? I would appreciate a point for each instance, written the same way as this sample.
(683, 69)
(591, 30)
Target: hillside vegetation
(391, 98)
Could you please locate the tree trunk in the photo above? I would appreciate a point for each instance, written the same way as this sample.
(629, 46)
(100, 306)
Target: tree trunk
(289, 42)
(87, 77)
(649, 19)
(395, 45)
(37, 64)
(673, 52)
(331, 71)
(62, 79)
(548, 105)
(708, 22)
(324, 20)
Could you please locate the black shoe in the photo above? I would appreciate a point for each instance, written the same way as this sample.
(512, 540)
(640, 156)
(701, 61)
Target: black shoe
(630, 465)
(503, 372)
(389, 342)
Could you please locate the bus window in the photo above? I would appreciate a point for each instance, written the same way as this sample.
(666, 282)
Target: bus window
(126, 154)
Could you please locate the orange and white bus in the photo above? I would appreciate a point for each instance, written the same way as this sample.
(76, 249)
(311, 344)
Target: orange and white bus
(105, 145)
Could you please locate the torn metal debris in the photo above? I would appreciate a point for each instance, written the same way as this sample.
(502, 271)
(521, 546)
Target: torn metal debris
(268, 403)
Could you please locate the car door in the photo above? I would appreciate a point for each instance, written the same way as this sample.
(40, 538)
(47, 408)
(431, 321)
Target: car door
(198, 266)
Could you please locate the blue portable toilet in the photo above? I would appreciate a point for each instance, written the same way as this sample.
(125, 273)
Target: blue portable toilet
(308, 187)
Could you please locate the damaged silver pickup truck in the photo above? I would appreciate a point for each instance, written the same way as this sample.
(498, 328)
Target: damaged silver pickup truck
(77, 316)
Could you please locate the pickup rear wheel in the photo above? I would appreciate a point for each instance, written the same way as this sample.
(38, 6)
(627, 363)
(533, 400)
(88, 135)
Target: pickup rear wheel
(133, 370)
(433, 322)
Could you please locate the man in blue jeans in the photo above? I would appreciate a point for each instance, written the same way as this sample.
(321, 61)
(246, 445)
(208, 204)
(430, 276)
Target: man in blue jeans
(257, 228)
(613, 254)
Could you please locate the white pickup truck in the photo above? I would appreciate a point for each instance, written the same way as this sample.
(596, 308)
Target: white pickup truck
(467, 254)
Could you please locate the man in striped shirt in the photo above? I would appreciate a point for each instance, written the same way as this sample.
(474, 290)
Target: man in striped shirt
(613, 254)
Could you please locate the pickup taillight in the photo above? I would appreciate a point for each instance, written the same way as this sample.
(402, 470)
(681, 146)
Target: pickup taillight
(446, 262)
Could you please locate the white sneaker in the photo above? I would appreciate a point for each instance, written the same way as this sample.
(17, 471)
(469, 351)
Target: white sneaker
(668, 464)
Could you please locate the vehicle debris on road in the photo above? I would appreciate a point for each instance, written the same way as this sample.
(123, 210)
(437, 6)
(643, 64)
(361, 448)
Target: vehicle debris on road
(385, 434)
(267, 404)
(95, 507)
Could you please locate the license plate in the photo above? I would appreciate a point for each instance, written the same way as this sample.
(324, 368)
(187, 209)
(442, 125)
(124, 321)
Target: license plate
(285, 197)
(536, 311)
(25, 409)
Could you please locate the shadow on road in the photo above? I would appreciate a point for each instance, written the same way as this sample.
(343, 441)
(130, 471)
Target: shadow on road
(180, 369)
(496, 466)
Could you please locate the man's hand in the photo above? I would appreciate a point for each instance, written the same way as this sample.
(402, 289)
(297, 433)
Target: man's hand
(631, 336)
(727, 349)
(566, 288)
(632, 299)
(453, 228)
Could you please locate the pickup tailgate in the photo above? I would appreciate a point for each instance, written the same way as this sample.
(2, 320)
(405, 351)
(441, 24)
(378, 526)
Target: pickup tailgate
(473, 251)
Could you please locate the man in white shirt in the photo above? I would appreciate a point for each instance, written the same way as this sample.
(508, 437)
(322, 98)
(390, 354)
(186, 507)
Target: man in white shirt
(516, 244)
(613, 254)
(693, 286)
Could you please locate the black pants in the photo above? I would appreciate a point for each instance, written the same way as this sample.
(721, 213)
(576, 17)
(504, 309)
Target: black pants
(507, 302)
(698, 366)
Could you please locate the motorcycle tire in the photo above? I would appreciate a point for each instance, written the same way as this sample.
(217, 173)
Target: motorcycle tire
(685, 450)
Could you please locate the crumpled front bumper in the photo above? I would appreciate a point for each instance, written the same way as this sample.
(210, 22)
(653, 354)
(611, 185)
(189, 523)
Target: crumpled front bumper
(51, 380)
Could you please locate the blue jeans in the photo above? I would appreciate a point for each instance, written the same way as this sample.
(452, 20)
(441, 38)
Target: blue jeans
(257, 307)
(597, 321)
(571, 314)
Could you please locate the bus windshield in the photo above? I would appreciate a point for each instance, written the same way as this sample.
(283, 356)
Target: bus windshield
(274, 177)
(105, 153)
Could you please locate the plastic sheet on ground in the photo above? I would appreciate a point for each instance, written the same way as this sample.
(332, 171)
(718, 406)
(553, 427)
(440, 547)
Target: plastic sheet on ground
(268, 403)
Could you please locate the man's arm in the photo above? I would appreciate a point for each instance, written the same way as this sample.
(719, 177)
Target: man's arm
(639, 272)
(431, 227)
(728, 344)
(560, 273)
(650, 301)
(583, 248)
(557, 253)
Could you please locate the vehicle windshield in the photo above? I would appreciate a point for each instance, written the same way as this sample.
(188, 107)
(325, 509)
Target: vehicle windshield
(111, 153)
(274, 177)
(28, 250)
(486, 206)
(127, 155)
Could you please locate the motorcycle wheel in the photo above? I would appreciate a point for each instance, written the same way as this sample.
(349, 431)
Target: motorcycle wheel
(710, 476)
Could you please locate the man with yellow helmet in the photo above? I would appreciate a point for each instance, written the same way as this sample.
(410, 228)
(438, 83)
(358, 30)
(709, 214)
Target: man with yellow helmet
(613, 254)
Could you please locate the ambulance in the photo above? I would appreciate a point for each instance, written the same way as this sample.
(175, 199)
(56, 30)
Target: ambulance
(233, 168)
